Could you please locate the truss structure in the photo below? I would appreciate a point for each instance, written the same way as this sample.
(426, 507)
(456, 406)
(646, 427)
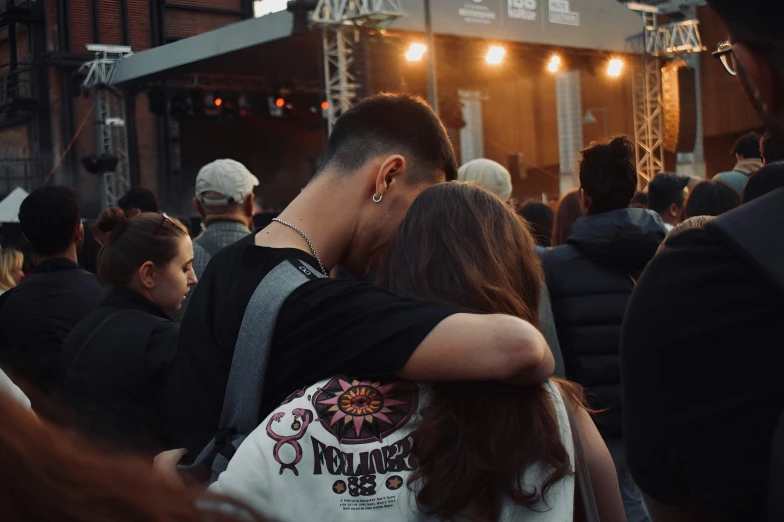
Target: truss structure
(648, 119)
(674, 39)
(340, 21)
(658, 42)
(111, 134)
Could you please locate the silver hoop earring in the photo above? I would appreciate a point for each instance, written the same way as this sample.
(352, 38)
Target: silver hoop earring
(380, 197)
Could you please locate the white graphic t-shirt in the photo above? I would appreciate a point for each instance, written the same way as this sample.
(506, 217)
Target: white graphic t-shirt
(340, 450)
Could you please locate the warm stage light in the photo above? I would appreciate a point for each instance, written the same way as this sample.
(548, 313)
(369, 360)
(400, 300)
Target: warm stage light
(555, 64)
(495, 55)
(615, 67)
(416, 51)
(218, 102)
(324, 105)
(280, 102)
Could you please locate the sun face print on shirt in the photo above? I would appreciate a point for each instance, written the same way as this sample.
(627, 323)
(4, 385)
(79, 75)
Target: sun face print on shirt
(358, 412)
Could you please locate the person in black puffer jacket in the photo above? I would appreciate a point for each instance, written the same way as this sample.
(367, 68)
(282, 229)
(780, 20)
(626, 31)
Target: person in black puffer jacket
(591, 278)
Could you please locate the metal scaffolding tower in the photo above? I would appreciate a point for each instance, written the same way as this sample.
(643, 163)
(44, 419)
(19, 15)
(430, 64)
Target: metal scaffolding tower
(341, 21)
(110, 132)
(659, 42)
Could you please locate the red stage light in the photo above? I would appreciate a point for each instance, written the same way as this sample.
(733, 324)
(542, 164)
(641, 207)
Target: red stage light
(324, 105)
(280, 102)
(218, 102)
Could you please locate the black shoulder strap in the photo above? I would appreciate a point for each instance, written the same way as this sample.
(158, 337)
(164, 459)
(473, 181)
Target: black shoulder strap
(208, 244)
(754, 231)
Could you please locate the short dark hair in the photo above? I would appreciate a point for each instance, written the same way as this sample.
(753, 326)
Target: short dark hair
(666, 189)
(540, 217)
(710, 198)
(138, 198)
(48, 218)
(765, 180)
(607, 175)
(389, 123)
(748, 146)
(771, 148)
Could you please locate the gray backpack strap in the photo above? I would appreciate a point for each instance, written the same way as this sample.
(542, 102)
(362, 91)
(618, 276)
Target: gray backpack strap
(242, 402)
(208, 244)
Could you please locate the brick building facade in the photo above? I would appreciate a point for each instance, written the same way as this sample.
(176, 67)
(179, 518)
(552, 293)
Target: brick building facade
(42, 111)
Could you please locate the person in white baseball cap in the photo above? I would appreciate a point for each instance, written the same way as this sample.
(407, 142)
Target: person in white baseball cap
(224, 200)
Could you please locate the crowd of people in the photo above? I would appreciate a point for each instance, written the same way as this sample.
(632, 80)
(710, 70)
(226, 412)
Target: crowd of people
(404, 341)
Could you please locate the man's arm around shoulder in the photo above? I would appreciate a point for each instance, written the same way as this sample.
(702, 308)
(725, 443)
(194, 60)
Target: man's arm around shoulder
(469, 347)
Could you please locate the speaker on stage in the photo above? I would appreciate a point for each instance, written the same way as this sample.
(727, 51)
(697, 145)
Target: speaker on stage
(679, 98)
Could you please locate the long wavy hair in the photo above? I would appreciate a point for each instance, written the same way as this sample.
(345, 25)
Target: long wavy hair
(569, 210)
(459, 244)
(47, 473)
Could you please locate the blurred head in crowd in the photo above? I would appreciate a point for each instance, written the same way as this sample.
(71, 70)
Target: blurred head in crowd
(570, 209)
(463, 246)
(639, 200)
(667, 195)
(380, 156)
(688, 224)
(540, 219)
(607, 176)
(772, 149)
(224, 192)
(47, 473)
(149, 253)
(710, 198)
(747, 147)
(765, 180)
(139, 199)
(488, 174)
(757, 57)
(50, 221)
(11, 274)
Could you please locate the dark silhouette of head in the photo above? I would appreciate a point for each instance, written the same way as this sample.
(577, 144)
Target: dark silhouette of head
(570, 209)
(747, 146)
(539, 217)
(772, 149)
(607, 176)
(758, 41)
(765, 180)
(50, 220)
(139, 198)
(710, 198)
(667, 195)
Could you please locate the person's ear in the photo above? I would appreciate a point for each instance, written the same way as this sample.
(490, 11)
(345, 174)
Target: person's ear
(78, 233)
(586, 200)
(757, 77)
(147, 275)
(389, 173)
(248, 206)
(199, 208)
(674, 210)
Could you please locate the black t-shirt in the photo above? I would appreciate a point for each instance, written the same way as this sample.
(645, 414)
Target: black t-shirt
(702, 368)
(325, 327)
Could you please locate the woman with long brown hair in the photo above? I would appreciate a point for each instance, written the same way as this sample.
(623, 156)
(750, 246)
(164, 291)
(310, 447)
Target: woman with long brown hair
(570, 209)
(48, 474)
(356, 448)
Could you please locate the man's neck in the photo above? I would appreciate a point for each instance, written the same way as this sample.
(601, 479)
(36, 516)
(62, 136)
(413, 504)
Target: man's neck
(320, 212)
(235, 218)
(69, 254)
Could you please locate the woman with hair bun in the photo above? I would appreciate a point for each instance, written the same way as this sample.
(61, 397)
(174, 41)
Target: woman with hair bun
(117, 358)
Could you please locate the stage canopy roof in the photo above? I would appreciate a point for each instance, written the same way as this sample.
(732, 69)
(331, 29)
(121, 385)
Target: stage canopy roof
(267, 43)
